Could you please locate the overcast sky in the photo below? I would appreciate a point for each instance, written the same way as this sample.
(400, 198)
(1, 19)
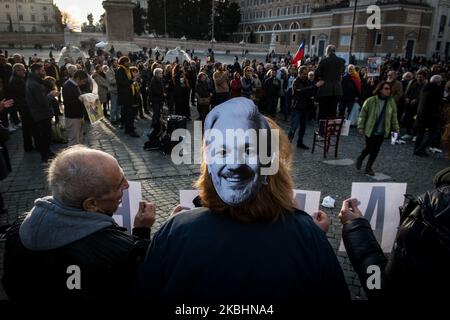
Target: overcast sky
(79, 9)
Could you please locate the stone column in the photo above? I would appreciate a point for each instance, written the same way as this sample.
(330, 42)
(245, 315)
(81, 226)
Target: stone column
(119, 20)
(119, 25)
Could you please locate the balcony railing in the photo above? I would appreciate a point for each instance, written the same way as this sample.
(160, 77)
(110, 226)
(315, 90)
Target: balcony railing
(276, 18)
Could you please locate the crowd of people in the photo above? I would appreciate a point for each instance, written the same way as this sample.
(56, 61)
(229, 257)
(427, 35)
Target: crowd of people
(137, 84)
(74, 226)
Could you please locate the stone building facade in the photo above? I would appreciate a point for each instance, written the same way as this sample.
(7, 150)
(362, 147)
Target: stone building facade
(406, 26)
(29, 16)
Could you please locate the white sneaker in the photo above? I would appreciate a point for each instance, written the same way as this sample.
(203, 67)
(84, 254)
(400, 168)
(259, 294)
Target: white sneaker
(405, 137)
(414, 139)
(400, 141)
(436, 150)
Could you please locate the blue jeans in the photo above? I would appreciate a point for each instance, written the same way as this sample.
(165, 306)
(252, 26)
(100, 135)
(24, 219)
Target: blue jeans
(115, 109)
(287, 103)
(298, 121)
(343, 105)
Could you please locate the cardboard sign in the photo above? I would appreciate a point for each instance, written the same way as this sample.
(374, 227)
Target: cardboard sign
(379, 203)
(127, 210)
(307, 201)
(186, 198)
(374, 66)
(93, 107)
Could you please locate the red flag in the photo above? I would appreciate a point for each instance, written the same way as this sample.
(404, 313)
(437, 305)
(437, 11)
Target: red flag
(300, 54)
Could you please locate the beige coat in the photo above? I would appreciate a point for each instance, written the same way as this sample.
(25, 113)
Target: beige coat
(102, 84)
(221, 81)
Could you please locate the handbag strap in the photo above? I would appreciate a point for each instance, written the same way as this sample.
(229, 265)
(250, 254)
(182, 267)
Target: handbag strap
(380, 117)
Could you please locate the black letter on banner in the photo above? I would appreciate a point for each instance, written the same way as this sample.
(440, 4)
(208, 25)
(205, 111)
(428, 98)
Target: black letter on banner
(378, 195)
(300, 198)
(125, 211)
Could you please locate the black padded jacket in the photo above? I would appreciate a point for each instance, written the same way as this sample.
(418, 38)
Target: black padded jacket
(105, 258)
(419, 264)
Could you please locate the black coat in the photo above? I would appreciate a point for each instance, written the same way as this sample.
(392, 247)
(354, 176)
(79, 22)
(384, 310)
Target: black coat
(124, 93)
(202, 256)
(330, 69)
(271, 88)
(106, 259)
(73, 107)
(203, 89)
(349, 89)
(5, 75)
(37, 100)
(156, 91)
(18, 93)
(428, 111)
(420, 261)
(304, 92)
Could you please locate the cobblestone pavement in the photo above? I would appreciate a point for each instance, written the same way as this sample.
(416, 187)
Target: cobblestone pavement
(161, 179)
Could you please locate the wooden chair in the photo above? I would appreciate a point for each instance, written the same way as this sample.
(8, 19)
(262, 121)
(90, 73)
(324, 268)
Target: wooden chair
(329, 130)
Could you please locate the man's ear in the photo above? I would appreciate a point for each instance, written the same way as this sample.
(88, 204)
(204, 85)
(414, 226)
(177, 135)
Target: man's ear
(90, 205)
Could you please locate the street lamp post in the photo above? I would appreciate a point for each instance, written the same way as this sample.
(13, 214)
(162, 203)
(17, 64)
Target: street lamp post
(213, 13)
(165, 22)
(353, 31)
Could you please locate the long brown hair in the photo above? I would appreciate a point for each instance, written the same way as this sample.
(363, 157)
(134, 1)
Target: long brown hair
(380, 87)
(273, 198)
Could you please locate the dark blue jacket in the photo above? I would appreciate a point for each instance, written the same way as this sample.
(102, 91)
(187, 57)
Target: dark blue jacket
(36, 99)
(202, 256)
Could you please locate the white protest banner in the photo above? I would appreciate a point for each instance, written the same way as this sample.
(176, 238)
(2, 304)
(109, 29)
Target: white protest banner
(307, 201)
(127, 210)
(379, 203)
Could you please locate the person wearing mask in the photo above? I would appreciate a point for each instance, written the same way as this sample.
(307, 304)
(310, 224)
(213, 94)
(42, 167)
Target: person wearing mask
(377, 118)
(275, 252)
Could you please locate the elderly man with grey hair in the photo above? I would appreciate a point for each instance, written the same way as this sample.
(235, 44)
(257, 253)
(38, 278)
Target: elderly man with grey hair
(156, 95)
(17, 92)
(330, 69)
(429, 115)
(69, 246)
